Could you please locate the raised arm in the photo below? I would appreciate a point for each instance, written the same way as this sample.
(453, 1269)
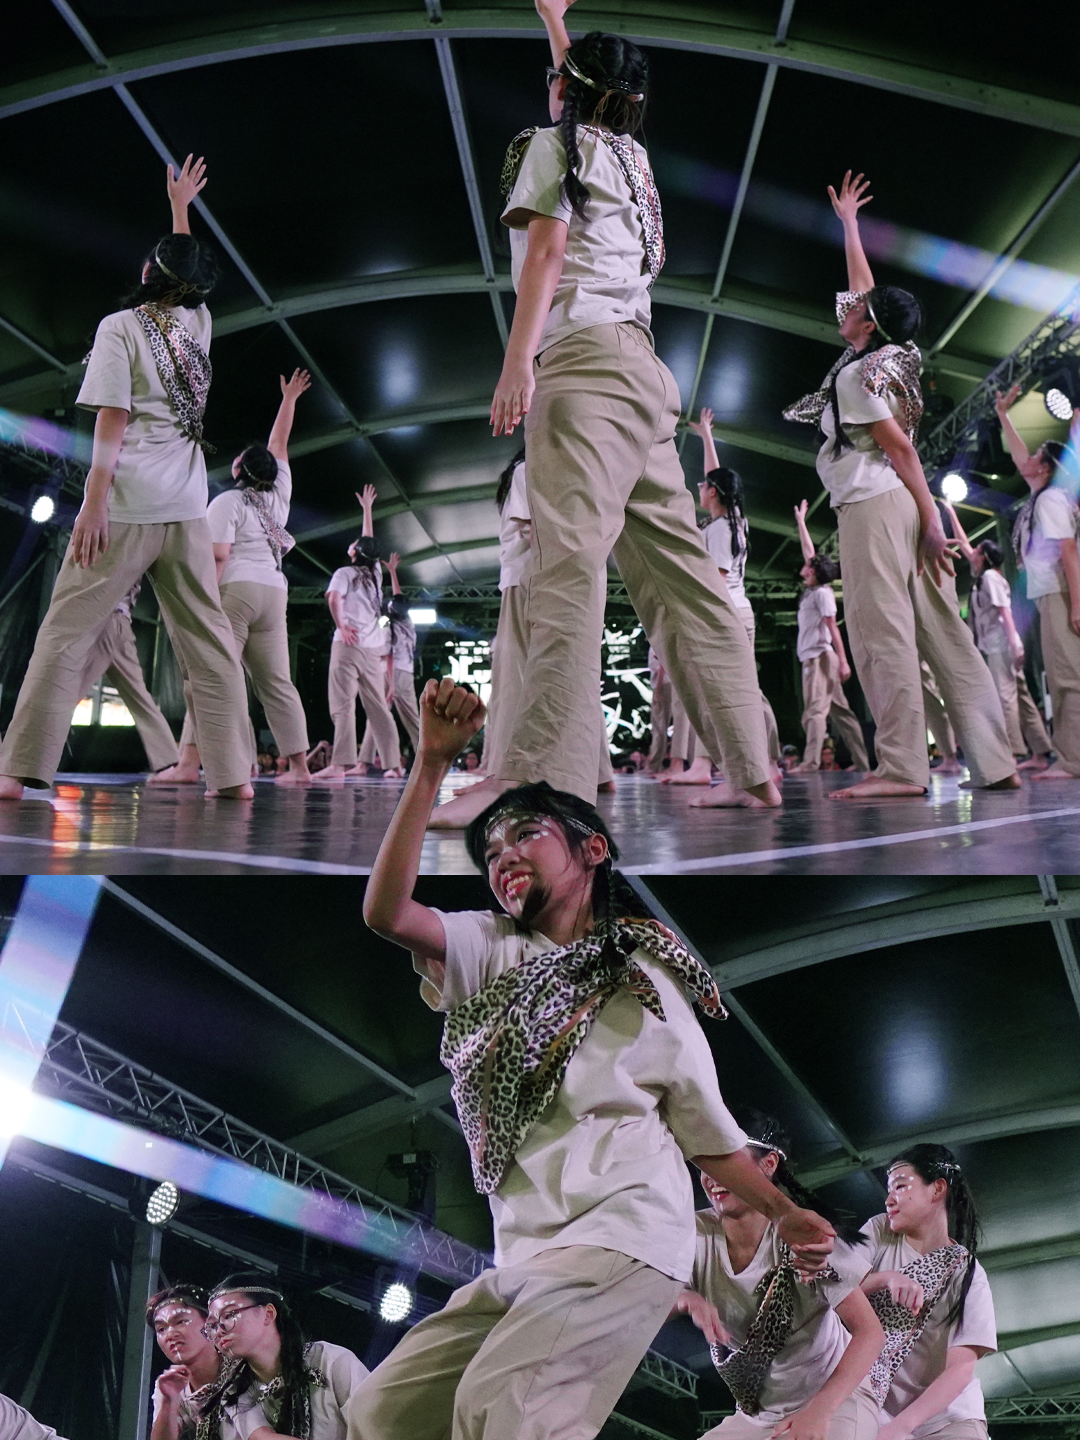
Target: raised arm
(552, 13)
(291, 390)
(449, 718)
(805, 543)
(847, 205)
(741, 1175)
(703, 428)
(1016, 447)
(182, 190)
(959, 533)
(391, 565)
(367, 502)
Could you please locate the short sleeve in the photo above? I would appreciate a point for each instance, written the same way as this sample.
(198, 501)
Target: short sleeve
(538, 189)
(718, 543)
(343, 1373)
(693, 1106)
(517, 502)
(1055, 516)
(197, 323)
(851, 1263)
(471, 937)
(107, 381)
(247, 1416)
(223, 516)
(18, 1424)
(283, 483)
(996, 588)
(979, 1325)
(856, 406)
(338, 584)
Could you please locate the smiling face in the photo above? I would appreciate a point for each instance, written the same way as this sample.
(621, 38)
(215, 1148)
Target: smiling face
(242, 1324)
(809, 578)
(912, 1204)
(178, 1331)
(532, 869)
(726, 1204)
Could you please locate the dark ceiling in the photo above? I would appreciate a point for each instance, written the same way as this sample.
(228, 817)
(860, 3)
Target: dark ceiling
(340, 185)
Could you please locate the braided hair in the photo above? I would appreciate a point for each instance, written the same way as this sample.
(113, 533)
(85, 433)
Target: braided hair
(992, 555)
(506, 477)
(937, 1162)
(258, 468)
(897, 317)
(183, 271)
(294, 1417)
(606, 77)
(768, 1136)
(729, 491)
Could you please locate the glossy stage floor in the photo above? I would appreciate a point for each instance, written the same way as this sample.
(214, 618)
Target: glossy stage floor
(117, 825)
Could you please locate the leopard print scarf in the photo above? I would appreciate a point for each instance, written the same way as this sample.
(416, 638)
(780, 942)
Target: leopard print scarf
(277, 537)
(184, 368)
(508, 1046)
(744, 1370)
(268, 1395)
(902, 1329)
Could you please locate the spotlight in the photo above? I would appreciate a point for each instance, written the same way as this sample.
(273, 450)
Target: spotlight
(954, 488)
(396, 1303)
(163, 1203)
(423, 617)
(44, 508)
(14, 1106)
(1061, 389)
(1058, 403)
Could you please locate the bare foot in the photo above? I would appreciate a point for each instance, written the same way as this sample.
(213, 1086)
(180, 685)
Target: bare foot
(1037, 762)
(879, 787)
(1010, 782)
(607, 788)
(10, 788)
(806, 767)
(725, 797)
(396, 774)
(670, 773)
(700, 773)
(949, 766)
(294, 777)
(179, 774)
(1056, 771)
(464, 808)
(232, 792)
(331, 773)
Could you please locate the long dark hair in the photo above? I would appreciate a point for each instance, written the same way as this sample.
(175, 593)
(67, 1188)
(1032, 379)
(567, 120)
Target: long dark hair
(825, 570)
(768, 1136)
(729, 491)
(992, 555)
(183, 271)
(897, 316)
(937, 1162)
(258, 468)
(612, 94)
(506, 479)
(295, 1415)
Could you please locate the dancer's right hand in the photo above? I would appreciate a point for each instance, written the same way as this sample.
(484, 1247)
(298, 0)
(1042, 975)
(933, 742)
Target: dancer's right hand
(901, 1287)
(349, 634)
(90, 533)
(703, 425)
(449, 718)
(935, 552)
(552, 9)
(513, 397)
(368, 497)
(801, 509)
(170, 1383)
(705, 1316)
(852, 197)
(802, 1228)
(1004, 403)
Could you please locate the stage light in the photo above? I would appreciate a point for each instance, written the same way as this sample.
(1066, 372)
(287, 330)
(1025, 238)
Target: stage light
(423, 617)
(15, 1100)
(954, 488)
(163, 1203)
(43, 508)
(1058, 403)
(396, 1303)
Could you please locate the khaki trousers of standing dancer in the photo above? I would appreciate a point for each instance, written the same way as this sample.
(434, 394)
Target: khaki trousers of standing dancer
(1022, 718)
(115, 657)
(408, 712)
(179, 558)
(603, 476)
(507, 689)
(355, 670)
(686, 744)
(772, 734)
(1061, 656)
(824, 700)
(659, 721)
(257, 616)
(858, 1418)
(893, 617)
(536, 1351)
(937, 717)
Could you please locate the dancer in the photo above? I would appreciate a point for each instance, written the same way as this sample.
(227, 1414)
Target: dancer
(279, 1385)
(144, 512)
(247, 526)
(999, 640)
(659, 712)
(820, 650)
(899, 591)
(18, 1424)
(1044, 539)
(938, 723)
(400, 667)
(933, 1298)
(582, 1079)
(604, 474)
(795, 1352)
(116, 659)
(354, 595)
(177, 1315)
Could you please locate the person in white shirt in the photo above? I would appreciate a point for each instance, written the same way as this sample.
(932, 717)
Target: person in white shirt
(1044, 541)
(143, 512)
(357, 657)
(933, 1298)
(247, 527)
(278, 1384)
(820, 651)
(400, 657)
(794, 1350)
(583, 1083)
(899, 588)
(18, 1424)
(999, 641)
(177, 1315)
(586, 237)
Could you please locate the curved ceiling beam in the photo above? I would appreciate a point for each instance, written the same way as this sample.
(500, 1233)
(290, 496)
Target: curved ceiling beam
(706, 35)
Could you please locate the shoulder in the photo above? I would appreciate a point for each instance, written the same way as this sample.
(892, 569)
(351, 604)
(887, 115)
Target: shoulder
(339, 580)
(707, 1224)
(322, 1355)
(229, 502)
(878, 1233)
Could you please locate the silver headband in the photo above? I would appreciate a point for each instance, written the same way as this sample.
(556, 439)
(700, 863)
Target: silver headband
(596, 85)
(765, 1145)
(877, 322)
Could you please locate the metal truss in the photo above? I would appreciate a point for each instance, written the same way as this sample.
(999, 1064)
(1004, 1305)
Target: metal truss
(710, 1418)
(1057, 336)
(668, 1376)
(1028, 1409)
(71, 473)
(485, 596)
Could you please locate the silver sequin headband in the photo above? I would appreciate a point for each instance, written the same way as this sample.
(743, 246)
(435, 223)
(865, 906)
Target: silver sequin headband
(596, 85)
(877, 322)
(766, 1145)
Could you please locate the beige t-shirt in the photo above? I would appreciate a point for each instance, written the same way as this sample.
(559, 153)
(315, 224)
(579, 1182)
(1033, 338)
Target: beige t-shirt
(161, 474)
(515, 532)
(361, 607)
(605, 276)
(863, 471)
(927, 1359)
(343, 1374)
(604, 1165)
(816, 606)
(817, 1338)
(717, 537)
(234, 522)
(1055, 520)
(988, 596)
(18, 1424)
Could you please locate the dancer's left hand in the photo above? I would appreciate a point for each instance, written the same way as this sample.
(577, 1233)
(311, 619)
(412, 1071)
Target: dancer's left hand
(803, 1229)
(809, 1423)
(90, 533)
(1074, 619)
(936, 552)
(186, 185)
(513, 396)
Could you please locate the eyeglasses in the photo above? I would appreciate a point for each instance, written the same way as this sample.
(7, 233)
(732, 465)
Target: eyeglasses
(551, 75)
(225, 1321)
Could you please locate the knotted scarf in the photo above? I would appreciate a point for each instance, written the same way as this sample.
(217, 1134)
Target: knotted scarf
(278, 538)
(902, 1329)
(182, 364)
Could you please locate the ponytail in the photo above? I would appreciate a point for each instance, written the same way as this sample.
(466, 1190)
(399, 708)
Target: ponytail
(937, 1162)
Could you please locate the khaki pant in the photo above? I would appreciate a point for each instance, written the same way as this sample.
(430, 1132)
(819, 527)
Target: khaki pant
(115, 657)
(537, 1351)
(686, 744)
(858, 1418)
(954, 1429)
(1022, 718)
(354, 671)
(893, 617)
(408, 712)
(937, 717)
(603, 476)
(179, 559)
(1061, 656)
(508, 657)
(257, 616)
(659, 719)
(824, 700)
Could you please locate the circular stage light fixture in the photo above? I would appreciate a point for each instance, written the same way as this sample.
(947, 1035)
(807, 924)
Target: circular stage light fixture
(954, 488)
(44, 508)
(1058, 403)
(163, 1203)
(396, 1303)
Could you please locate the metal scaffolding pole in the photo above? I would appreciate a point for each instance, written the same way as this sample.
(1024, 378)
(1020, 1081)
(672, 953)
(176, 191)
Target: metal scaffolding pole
(138, 1337)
